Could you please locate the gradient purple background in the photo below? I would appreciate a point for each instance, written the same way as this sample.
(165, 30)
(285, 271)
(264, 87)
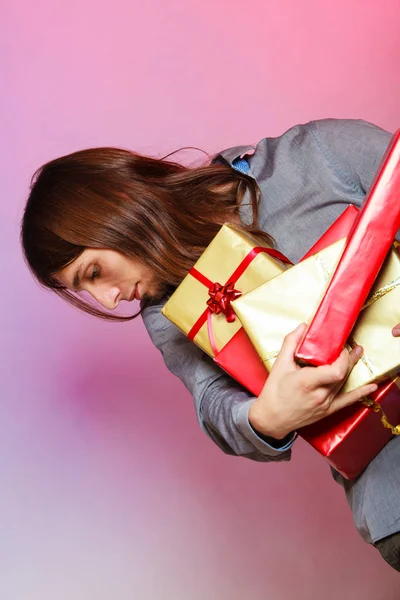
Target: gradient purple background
(108, 487)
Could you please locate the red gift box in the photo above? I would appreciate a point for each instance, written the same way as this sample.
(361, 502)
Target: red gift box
(348, 439)
(240, 360)
(366, 248)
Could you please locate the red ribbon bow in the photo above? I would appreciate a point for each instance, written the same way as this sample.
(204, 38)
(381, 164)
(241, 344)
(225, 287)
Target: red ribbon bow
(220, 300)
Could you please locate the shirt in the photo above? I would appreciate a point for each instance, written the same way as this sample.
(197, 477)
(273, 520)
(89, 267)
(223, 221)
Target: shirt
(307, 177)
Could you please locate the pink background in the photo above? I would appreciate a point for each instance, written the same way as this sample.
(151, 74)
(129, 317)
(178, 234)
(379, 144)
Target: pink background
(108, 487)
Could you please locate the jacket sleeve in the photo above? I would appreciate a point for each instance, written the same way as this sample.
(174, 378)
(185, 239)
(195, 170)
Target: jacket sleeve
(221, 404)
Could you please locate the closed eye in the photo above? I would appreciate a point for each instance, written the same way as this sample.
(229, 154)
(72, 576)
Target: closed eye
(95, 272)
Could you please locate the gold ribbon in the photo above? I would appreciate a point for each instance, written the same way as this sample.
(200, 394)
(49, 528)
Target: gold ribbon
(375, 407)
(382, 292)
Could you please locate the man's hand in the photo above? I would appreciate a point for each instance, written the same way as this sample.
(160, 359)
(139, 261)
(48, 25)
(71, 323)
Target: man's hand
(296, 396)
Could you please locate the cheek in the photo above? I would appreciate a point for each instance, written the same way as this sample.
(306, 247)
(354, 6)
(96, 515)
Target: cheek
(140, 272)
(135, 271)
(150, 275)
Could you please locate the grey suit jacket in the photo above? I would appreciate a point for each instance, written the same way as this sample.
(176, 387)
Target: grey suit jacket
(307, 177)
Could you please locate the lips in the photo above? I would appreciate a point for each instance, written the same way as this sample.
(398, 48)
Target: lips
(135, 294)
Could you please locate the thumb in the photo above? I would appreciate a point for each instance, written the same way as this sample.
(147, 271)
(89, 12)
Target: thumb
(290, 344)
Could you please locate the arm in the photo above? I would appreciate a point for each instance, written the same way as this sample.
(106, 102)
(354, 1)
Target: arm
(352, 148)
(292, 397)
(222, 405)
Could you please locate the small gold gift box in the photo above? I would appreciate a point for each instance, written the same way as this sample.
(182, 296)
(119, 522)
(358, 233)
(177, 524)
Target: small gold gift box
(215, 277)
(277, 307)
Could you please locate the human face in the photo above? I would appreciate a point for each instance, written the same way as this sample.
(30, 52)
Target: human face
(109, 277)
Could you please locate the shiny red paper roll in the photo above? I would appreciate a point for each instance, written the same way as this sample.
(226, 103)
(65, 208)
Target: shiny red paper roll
(366, 248)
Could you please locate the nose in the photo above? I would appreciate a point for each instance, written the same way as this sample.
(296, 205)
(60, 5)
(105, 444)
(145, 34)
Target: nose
(108, 297)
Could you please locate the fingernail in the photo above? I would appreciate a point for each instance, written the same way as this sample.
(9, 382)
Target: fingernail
(358, 351)
(396, 331)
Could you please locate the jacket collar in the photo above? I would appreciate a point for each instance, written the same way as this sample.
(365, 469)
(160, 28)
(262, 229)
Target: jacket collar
(232, 154)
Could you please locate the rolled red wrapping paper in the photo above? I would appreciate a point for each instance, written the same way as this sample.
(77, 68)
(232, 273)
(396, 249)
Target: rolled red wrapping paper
(366, 248)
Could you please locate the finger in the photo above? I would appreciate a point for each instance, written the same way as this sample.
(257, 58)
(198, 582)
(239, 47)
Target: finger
(290, 343)
(337, 372)
(396, 330)
(343, 400)
(354, 356)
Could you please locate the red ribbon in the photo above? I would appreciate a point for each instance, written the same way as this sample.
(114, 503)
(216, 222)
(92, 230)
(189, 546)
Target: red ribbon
(220, 300)
(222, 295)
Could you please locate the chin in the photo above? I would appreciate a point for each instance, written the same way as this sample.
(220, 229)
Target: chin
(158, 294)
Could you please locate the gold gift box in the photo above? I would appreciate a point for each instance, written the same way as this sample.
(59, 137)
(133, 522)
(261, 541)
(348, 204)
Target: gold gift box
(217, 263)
(373, 329)
(277, 307)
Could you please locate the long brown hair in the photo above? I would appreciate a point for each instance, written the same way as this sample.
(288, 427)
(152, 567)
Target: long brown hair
(154, 210)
